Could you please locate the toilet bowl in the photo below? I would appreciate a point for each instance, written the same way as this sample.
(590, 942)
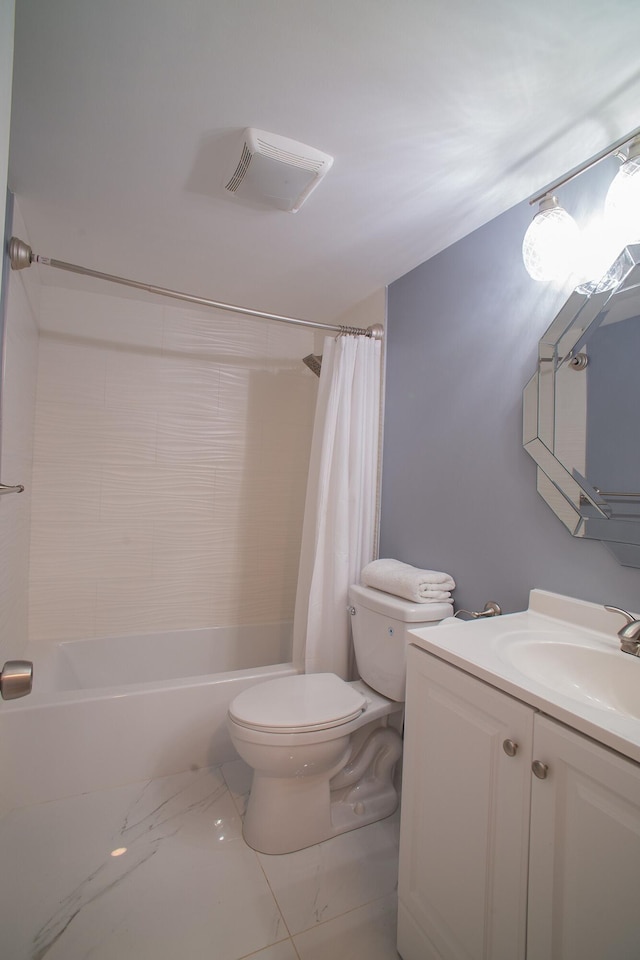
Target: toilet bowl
(323, 750)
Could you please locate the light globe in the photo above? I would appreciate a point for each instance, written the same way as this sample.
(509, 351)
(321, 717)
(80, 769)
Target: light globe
(551, 244)
(622, 205)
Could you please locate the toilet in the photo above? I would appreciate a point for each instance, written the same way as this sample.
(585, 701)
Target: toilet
(323, 750)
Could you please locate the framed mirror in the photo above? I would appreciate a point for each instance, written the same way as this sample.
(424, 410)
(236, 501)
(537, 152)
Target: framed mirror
(581, 419)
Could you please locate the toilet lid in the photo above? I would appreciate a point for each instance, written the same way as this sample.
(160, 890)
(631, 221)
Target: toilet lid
(296, 704)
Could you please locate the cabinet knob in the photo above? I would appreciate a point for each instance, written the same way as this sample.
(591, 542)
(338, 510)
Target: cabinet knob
(510, 747)
(540, 769)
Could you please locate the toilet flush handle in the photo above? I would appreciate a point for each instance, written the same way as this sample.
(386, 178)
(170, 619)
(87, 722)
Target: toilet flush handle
(351, 611)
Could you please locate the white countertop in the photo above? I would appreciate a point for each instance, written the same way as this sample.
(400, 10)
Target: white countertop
(484, 648)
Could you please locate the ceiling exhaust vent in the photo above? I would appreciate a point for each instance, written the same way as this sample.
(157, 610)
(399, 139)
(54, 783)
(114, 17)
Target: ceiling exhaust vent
(275, 170)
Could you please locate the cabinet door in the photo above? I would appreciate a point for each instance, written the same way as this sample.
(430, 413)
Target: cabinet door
(465, 815)
(584, 880)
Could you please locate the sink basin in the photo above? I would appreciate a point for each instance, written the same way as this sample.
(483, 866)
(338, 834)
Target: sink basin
(561, 656)
(594, 675)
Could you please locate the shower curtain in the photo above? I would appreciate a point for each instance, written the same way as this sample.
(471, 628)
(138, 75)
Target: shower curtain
(339, 531)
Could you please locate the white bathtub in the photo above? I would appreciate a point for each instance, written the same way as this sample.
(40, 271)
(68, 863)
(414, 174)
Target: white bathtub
(112, 710)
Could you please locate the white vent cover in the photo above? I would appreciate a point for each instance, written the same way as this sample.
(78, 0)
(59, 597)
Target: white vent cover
(275, 170)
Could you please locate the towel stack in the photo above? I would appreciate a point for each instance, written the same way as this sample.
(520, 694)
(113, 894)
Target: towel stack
(403, 580)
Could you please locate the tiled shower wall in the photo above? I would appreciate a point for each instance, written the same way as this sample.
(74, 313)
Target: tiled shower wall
(17, 404)
(170, 465)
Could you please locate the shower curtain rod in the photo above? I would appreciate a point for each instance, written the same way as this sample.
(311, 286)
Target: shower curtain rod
(21, 256)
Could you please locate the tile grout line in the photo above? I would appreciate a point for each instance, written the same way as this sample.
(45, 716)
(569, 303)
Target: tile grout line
(256, 953)
(314, 926)
(275, 899)
(346, 913)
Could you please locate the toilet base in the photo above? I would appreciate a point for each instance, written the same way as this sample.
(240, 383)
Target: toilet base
(287, 814)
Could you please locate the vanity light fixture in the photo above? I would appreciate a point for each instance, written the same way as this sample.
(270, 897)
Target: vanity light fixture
(551, 244)
(553, 247)
(622, 205)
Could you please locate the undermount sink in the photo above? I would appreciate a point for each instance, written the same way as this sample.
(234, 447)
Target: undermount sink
(599, 677)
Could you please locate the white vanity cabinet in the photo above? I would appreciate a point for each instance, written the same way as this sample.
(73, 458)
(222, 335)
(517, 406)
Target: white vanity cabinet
(495, 863)
(584, 853)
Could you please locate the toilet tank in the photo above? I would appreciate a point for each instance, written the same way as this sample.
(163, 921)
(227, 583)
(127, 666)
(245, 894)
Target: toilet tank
(380, 624)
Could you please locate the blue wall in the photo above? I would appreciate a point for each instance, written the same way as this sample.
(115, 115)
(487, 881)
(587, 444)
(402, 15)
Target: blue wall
(458, 489)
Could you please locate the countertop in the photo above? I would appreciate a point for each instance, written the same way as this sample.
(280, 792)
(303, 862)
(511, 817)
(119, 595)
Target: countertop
(484, 649)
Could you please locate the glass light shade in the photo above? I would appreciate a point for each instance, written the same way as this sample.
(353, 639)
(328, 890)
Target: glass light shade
(598, 268)
(622, 206)
(551, 244)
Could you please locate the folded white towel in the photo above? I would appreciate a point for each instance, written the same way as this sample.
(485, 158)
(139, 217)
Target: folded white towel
(438, 596)
(403, 580)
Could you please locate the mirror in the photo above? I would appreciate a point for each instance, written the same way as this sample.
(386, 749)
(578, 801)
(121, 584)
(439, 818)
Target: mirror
(581, 422)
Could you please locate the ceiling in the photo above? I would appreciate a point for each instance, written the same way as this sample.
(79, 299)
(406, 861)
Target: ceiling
(440, 115)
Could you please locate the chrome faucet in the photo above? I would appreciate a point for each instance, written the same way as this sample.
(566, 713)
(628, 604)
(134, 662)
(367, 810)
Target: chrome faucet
(629, 634)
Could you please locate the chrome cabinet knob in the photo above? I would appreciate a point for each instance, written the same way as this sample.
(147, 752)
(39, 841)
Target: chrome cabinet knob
(540, 769)
(16, 679)
(510, 748)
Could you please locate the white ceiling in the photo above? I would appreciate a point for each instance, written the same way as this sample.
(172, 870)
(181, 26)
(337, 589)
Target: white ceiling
(440, 114)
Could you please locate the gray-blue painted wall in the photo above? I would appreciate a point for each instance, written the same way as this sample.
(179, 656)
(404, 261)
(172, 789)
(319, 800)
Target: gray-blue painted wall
(458, 489)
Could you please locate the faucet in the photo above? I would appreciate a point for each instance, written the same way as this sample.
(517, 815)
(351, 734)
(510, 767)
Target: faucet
(629, 634)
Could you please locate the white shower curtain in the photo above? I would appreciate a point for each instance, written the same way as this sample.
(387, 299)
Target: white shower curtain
(339, 530)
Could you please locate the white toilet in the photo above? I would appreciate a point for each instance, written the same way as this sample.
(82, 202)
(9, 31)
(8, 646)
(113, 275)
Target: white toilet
(323, 751)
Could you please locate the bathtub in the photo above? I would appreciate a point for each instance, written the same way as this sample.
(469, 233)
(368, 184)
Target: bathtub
(114, 710)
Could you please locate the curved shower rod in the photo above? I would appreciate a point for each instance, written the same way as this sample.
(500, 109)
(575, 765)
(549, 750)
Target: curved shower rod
(21, 256)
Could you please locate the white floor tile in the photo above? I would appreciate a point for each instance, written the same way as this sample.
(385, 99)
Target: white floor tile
(324, 881)
(238, 776)
(187, 885)
(367, 933)
(279, 951)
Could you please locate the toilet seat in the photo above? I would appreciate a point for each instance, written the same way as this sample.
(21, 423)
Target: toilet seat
(298, 704)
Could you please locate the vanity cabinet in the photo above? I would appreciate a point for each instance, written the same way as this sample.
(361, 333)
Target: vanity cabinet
(497, 863)
(584, 853)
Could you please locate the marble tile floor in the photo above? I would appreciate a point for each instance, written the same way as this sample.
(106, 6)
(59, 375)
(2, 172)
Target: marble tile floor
(159, 871)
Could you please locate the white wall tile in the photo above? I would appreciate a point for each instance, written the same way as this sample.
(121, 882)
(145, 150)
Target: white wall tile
(234, 385)
(182, 546)
(215, 333)
(189, 387)
(184, 438)
(133, 378)
(71, 371)
(144, 605)
(284, 448)
(91, 550)
(65, 491)
(286, 342)
(167, 493)
(102, 319)
(270, 394)
(70, 431)
(62, 608)
(14, 571)
(16, 453)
